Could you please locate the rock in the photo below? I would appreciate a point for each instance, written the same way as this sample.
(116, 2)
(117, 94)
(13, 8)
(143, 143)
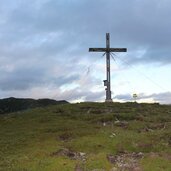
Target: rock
(112, 135)
(116, 122)
(82, 154)
(71, 154)
(114, 169)
(126, 161)
(122, 124)
(111, 159)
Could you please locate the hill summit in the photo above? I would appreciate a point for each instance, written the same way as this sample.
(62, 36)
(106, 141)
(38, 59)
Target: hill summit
(87, 137)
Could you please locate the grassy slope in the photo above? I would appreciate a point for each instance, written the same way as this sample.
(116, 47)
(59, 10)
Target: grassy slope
(28, 139)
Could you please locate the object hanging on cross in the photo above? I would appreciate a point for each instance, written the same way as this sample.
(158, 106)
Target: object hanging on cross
(107, 50)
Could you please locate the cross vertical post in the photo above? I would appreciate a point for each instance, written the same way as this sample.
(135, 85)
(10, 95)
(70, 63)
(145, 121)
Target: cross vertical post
(108, 84)
(108, 50)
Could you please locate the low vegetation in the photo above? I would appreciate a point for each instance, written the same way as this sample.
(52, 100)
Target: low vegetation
(87, 137)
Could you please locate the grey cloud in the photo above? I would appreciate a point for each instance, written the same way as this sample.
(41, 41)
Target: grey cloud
(134, 24)
(163, 98)
(78, 93)
(28, 77)
(94, 96)
(20, 79)
(88, 95)
(125, 97)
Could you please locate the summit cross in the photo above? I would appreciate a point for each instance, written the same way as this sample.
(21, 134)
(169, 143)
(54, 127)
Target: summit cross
(108, 50)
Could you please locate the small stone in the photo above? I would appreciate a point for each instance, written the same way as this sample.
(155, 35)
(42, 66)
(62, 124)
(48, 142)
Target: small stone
(112, 159)
(114, 169)
(113, 134)
(82, 154)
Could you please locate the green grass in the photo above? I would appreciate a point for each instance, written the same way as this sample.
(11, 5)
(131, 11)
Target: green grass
(28, 139)
(157, 163)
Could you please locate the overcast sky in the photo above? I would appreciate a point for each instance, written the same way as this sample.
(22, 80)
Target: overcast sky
(44, 49)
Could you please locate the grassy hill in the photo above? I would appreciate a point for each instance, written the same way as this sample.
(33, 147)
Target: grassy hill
(16, 104)
(87, 137)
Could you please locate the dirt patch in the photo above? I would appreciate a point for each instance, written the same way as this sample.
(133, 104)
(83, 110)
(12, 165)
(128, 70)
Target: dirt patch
(126, 161)
(157, 126)
(67, 136)
(70, 154)
(167, 156)
(153, 127)
(122, 124)
(142, 130)
(153, 155)
(145, 145)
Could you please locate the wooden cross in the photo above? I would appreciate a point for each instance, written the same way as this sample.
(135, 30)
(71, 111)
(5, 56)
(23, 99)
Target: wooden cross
(108, 50)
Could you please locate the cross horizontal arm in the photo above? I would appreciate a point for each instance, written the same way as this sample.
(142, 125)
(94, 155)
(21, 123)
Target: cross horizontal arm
(109, 50)
(118, 49)
(97, 49)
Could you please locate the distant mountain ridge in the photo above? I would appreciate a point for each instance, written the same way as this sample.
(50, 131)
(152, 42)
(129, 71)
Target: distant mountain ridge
(12, 104)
